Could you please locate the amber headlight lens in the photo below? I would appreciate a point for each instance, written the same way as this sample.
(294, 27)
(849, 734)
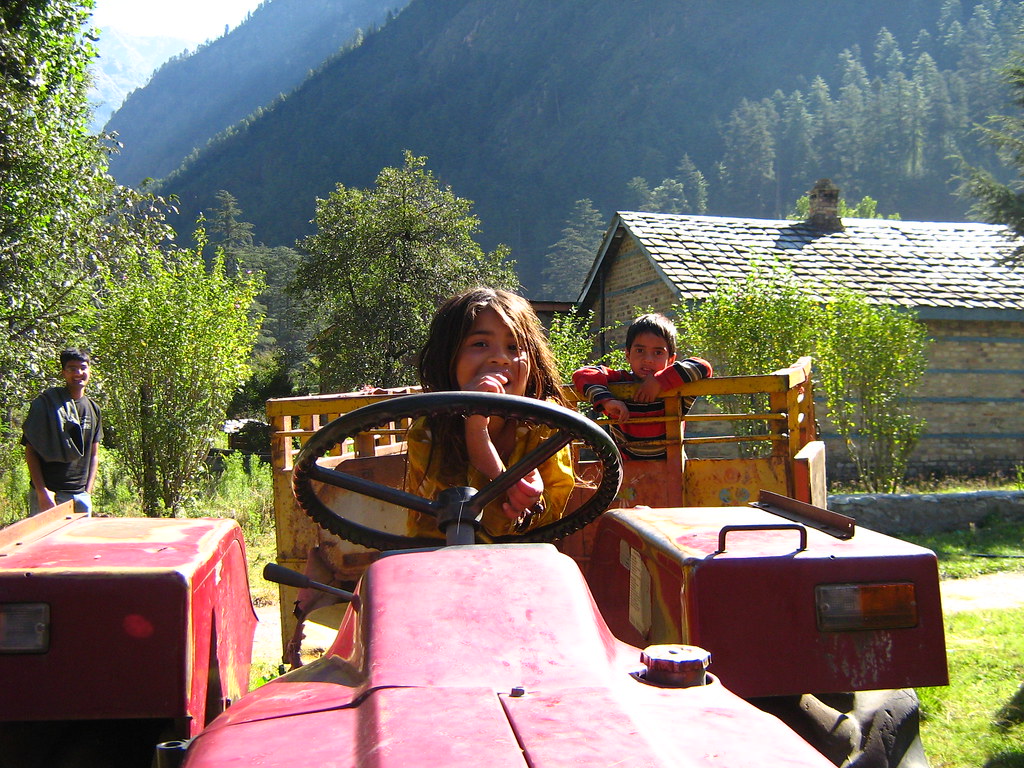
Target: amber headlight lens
(844, 607)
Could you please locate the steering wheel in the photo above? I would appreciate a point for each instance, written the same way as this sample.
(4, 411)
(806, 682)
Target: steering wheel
(568, 425)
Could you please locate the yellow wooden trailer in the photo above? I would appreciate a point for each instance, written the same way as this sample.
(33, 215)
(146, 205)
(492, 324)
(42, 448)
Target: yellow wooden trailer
(715, 472)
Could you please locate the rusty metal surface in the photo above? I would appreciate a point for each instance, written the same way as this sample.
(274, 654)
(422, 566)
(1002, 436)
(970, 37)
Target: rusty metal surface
(659, 577)
(141, 609)
(674, 481)
(832, 523)
(494, 656)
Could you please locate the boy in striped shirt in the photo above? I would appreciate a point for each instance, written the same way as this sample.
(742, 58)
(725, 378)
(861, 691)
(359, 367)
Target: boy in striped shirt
(651, 354)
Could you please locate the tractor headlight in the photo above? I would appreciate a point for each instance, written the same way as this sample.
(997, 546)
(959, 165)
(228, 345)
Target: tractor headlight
(24, 627)
(844, 607)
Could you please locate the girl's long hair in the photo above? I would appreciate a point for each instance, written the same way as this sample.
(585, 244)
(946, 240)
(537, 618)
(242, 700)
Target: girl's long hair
(437, 359)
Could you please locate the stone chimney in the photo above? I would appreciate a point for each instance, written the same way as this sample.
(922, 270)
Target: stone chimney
(824, 209)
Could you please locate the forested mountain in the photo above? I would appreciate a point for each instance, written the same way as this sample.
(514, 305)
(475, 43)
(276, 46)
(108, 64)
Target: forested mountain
(125, 62)
(730, 107)
(195, 96)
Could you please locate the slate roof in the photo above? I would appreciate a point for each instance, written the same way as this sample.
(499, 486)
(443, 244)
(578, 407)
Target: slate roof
(938, 268)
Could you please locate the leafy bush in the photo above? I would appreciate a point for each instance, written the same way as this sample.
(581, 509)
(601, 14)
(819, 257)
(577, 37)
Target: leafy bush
(871, 358)
(572, 343)
(752, 326)
(240, 487)
(172, 339)
(14, 486)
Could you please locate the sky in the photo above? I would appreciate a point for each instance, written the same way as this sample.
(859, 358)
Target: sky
(192, 20)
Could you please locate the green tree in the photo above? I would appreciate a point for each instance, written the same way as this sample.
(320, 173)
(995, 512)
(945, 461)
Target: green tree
(172, 340)
(871, 358)
(756, 325)
(61, 215)
(281, 328)
(753, 325)
(867, 208)
(798, 152)
(572, 342)
(570, 259)
(377, 268)
(279, 352)
(748, 171)
(686, 192)
(995, 201)
(227, 230)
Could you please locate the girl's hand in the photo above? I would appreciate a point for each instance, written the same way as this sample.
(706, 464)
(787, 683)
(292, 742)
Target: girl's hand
(523, 495)
(477, 438)
(487, 382)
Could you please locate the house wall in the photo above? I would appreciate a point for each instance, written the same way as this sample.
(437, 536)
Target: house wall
(630, 281)
(972, 394)
(972, 397)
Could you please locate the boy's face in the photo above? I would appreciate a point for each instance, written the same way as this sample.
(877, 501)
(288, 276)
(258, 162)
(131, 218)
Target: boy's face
(75, 373)
(648, 354)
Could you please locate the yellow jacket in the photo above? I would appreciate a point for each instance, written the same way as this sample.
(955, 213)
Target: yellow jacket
(556, 473)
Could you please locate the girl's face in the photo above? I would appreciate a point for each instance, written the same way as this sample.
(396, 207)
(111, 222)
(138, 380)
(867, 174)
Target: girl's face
(489, 359)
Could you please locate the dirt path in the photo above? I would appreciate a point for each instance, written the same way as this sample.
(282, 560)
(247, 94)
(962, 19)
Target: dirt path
(997, 590)
(267, 641)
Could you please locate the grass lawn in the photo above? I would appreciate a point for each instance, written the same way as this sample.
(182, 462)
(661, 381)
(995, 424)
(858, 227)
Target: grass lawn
(991, 546)
(978, 719)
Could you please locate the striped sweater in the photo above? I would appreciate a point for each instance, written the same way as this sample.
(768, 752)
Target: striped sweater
(592, 383)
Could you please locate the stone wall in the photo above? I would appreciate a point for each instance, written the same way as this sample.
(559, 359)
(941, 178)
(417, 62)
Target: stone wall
(896, 513)
(972, 398)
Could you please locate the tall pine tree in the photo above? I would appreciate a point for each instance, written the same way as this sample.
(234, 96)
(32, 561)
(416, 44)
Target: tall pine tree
(570, 258)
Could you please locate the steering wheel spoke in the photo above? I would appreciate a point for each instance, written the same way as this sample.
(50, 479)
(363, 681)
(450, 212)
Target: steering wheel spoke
(370, 488)
(534, 458)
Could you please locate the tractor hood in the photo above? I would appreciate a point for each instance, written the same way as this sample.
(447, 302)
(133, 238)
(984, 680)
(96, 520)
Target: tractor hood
(487, 655)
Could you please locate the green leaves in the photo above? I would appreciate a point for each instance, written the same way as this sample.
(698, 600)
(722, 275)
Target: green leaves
(62, 218)
(870, 359)
(756, 325)
(572, 343)
(377, 268)
(751, 326)
(171, 344)
(570, 258)
(995, 201)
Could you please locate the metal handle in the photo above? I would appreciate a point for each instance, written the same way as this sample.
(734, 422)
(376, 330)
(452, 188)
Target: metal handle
(281, 575)
(763, 527)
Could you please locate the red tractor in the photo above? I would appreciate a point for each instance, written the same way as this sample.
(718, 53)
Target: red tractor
(513, 654)
(696, 622)
(117, 634)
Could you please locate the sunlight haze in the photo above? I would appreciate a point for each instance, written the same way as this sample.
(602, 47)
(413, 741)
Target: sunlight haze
(193, 20)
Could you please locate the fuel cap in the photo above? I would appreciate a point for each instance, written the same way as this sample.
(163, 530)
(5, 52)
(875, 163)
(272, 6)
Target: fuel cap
(678, 666)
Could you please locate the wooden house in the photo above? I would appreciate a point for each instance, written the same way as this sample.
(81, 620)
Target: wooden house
(953, 276)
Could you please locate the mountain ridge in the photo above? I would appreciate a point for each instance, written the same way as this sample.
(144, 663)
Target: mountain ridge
(488, 103)
(193, 97)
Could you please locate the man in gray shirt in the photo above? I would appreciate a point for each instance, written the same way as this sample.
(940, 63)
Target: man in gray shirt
(61, 435)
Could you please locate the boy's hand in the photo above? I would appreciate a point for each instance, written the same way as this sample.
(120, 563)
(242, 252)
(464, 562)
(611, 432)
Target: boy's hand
(523, 495)
(648, 390)
(616, 409)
